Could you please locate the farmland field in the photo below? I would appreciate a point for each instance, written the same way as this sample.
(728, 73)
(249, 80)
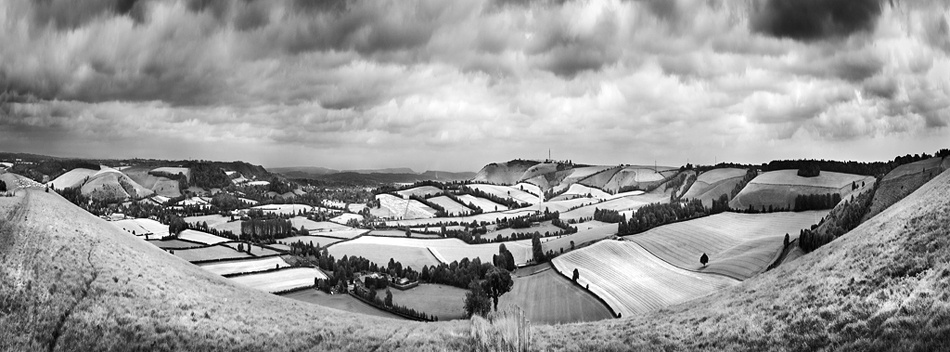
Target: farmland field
(489, 217)
(510, 192)
(738, 245)
(484, 204)
(529, 188)
(535, 227)
(316, 240)
(244, 265)
(712, 184)
(779, 188)
(450, 205)
(316, 226)
(256, 250)
(581, 191)
(174, 244)
(203, 237)
(549, 298)
(418, 252)
(342, 302)
(280, 280)
(401, 233)
(400, 208)
(174, 171)
(284, 209)
(142, 227)
(581, 237)
(209, 253)
(421, 191)
(633, 281)
(443, 301)
(904, 180)
(346, 217)
(563, 206)
(633, 176)
(72, 178)
(213, 221)
(600, 179)
(624, 205)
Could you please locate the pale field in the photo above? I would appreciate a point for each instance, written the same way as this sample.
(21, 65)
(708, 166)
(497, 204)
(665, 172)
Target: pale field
(194, 201)
(244, 265)
(585, 234)
(488, 217)
(418, 252)
(345, 217)
(529, 188)
(563, 206)
(577, 190)
(915, 168)
(633, 281)
(738, 245)
(258, 183)
(762, 195)
(400, 233)
(256, 250)
(421, 191)
(343, 302)
(511, 192)
(72, 178)
(549, 298)
(535, 227)
(600, 179)
(316, 226)
(213, 221)
(485, 205)
(198, 236)
(451, 206)
(316, 240)
(824, 179)
(630, 176)
(280, 280)
(175, 171)
(624, 205)
(142, 226)
(501, 173)
(717, 175)
(401, 208)
(538, 170)
(581, 173)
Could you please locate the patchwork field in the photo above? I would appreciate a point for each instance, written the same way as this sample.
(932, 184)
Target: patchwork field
(443, 301)
(581, 173)
(342, 302)
(404, 209)
(626, 205)
(174, 244)
(632, 281)
(634, 176)
(316, 240)
(110, 184)
(714, 183)
(245, 265)
(563, 206)
(417, 252)
(280, 280)
(904, 180)
(155, 229)
(738, 245)
(316, 226)
(198, 236)
(517, 193)
(488, 217)
(209, 253)
(600, 179)
(484, 204)
(256, 250)
(450, 205)
(581, 191)
(284, 209)
(346, 217)
(779, 188)
(549, 298)
(582, 236)
(421, 191)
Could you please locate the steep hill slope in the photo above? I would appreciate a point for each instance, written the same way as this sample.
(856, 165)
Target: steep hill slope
(903, 180)
(72, 282)
(883, 286)
(507, 173)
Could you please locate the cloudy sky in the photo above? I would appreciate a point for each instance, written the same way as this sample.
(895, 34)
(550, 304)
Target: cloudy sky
(452, 85)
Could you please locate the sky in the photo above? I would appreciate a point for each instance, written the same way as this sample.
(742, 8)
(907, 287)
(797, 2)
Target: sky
(454, 85)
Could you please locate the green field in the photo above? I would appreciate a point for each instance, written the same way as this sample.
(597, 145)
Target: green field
(549, 298)
(343, 302)
(443, 301)
(218, 251)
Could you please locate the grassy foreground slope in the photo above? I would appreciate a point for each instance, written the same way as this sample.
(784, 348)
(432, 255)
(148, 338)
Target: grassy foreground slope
(884, 286)
(71, 282)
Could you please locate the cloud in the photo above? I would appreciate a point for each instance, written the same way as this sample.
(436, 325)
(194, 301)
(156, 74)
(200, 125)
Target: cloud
(369, 81)
(815, 19)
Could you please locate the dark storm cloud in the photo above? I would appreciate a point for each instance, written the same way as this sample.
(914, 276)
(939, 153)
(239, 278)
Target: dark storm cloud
(815, 19)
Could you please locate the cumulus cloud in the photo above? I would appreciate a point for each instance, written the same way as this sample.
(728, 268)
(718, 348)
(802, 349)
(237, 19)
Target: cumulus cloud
(421, 82)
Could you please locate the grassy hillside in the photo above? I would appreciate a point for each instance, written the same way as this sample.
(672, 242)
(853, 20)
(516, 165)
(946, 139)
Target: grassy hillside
(885, 286)
(903, 180)
(72, 282)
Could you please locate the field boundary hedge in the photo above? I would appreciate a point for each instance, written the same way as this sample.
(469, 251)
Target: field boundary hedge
(206, 261)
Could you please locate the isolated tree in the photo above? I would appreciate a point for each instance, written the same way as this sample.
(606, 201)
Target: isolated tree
(372, 295)
(408, 233)
(3, 186)
(389, 298)
(703, 259)
(572, 245)
(786, 240)
(497, 283)
(536, 249)
(176, 225)
(575, 275)
(476, 300)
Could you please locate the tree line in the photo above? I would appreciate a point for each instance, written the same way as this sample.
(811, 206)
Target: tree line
(841, 220)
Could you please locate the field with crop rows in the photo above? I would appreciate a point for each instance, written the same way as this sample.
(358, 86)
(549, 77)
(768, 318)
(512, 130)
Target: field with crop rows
(511, 192)
(451, 206)
(738, 245)
(484, 204)
(244, 265)
(549, 298)
(280, 280)
(218, 251)
(581, 237)
(633, 281)
(404, 209)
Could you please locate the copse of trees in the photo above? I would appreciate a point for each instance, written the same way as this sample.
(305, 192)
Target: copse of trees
(207, 176)
(809, 170)
(805, 202)
(504, 258)
(656, 214)
(176, 225)
(267, 228)
(841, 220)
(3, 186)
